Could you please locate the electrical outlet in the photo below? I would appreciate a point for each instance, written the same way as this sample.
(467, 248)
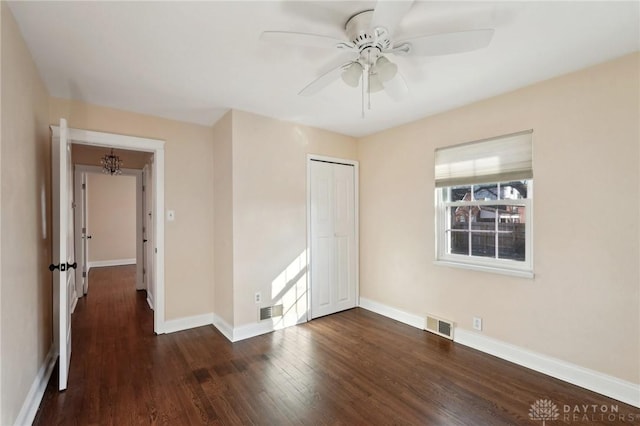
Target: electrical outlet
(477, 323)
(258, 297)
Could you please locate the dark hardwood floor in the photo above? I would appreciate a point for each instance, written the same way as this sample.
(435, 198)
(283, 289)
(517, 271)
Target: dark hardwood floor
(351, 368)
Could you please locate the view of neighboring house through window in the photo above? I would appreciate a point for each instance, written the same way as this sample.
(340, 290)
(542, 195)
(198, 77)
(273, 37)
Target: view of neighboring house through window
(485, 223)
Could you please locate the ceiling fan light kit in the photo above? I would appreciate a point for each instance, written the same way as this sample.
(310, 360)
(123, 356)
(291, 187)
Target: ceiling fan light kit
(352, 73)
(369, 36)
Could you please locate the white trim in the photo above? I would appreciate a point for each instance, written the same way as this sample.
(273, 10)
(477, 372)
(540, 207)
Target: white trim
(252, 330)
(356, 208)
(223, 327)
(482, 268)
(114, 262)
(248, 331)
(393, 313)
(156, 146)
(150, 300)
(610, 386)
(604, 384)
(32, 401)
(185, 323)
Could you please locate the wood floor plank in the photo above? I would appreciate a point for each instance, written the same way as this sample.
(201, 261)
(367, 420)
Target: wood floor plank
(350, 368)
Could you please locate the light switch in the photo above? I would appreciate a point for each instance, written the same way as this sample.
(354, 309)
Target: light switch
(171, 215)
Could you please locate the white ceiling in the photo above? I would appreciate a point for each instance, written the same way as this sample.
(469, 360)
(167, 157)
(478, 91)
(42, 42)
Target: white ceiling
(193, 61)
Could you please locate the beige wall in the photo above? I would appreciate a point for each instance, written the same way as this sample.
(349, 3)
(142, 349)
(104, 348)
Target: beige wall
(188, 191)
(25, 225)
(269, 207)
(223, 218)
(582, 306)
(111, 218)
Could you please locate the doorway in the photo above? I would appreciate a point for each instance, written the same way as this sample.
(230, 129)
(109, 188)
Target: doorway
(156, 148)
(109, 217)
(332, 222)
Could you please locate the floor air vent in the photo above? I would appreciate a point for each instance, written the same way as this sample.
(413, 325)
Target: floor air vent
(439, 326)
(270, 312)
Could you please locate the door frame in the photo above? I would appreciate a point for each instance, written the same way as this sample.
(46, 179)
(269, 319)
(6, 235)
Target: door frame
(156, 147)
(356, 206)
(80, 218)
(147, 224)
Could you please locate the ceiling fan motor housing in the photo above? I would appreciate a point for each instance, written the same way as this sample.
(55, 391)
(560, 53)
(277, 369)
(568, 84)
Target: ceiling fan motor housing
(370, 42)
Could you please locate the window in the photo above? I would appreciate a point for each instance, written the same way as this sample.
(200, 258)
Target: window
(483, 197)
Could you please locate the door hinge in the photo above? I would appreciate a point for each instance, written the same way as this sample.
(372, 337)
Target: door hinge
(143, 188)
(84, 274)
(84, 186)
(144, 271)
(84, 230)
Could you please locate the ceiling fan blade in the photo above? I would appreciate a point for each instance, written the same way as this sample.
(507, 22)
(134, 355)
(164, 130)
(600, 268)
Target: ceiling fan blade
(324, 80)
(445, 43)
(304, 39)
(388, 14)
(396, 88)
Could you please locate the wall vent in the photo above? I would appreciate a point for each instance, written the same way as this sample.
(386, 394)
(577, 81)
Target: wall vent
(439, 326)
(270, 312)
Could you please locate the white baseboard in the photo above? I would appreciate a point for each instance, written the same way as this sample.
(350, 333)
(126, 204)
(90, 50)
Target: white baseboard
(114, 262)
(251, 330)
(32, 402)
(180, 324)
(393, 313)
(595, 381)
(150, 300)
(223, 327)
(601, 383)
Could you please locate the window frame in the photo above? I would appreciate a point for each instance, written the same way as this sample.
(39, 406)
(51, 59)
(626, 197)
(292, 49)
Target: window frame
(487, 264)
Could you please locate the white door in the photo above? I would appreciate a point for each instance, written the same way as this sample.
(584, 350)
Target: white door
(333, 243)
(63, 278)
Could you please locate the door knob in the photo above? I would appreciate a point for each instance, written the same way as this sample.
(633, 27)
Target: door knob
(63, 266)
(144, 241)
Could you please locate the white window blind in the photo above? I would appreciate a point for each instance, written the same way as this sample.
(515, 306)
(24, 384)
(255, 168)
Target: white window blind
(499, 159)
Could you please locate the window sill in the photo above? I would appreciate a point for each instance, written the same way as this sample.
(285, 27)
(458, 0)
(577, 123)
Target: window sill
(483, 268)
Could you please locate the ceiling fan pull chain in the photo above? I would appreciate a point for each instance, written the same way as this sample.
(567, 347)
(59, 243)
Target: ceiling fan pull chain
(362, 101)
(369, 80)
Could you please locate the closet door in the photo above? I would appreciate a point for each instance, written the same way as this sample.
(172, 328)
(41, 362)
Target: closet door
(333, 251)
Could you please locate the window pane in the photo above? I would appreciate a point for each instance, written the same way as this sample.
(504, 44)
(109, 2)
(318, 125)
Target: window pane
(459, 217)
(511, 238)
(515, 190)
(460, 193)
(459, 243)
(483, 244)
(487, 191)
(483, 218)
(508, 215)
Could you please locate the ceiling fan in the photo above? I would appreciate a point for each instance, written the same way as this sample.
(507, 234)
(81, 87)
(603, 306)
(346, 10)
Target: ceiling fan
(369, 37)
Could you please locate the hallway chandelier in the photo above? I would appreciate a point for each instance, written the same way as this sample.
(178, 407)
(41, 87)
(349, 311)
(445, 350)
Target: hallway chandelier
(111, 164)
